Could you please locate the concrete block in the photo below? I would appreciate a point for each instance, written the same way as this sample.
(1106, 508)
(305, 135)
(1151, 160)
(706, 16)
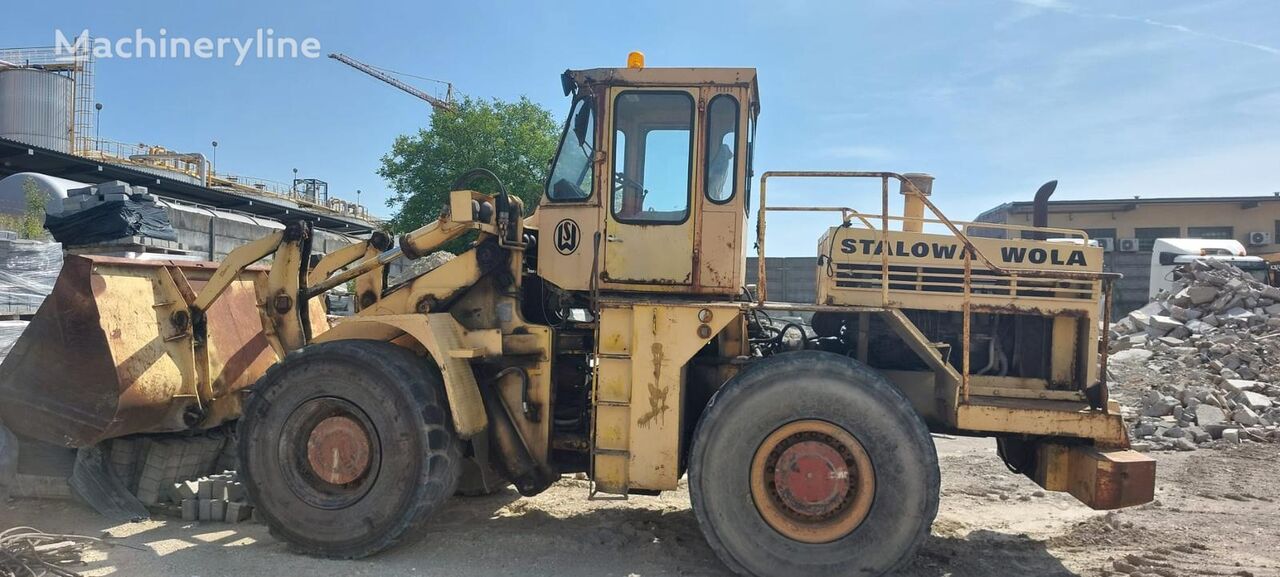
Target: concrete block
(1245, 416)
(1256, 401)
(217, 510)
(187, 490)
(1242, 385)
(238, 512)
(235, 491)
(190, 509)
(218, 486)
(1208, 415)
(1163, 323)
(205, 510)
(1231, 436)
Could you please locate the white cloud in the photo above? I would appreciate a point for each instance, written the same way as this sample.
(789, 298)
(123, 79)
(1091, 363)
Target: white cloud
(1067, 8)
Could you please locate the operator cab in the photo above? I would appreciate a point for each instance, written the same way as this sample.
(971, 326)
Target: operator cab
(648, 190)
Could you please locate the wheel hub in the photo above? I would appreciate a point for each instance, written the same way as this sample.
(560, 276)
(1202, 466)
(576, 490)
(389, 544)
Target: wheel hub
(338, 450)
(330, 453)
(811, 478)
(812, 481)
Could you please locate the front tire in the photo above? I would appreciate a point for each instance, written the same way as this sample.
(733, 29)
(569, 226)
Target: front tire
(810, 463)
(347, 447)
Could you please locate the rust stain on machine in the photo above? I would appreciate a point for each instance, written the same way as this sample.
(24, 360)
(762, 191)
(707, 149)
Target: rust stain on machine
(110, 353)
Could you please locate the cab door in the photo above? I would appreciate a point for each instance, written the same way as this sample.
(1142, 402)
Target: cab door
(650, 222)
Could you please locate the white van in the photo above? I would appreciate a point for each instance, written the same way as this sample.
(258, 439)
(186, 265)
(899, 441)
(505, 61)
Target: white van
(1168, 254)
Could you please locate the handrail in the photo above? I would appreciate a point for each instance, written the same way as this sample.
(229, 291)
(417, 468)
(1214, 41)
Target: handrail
(1071, 232)
(971, 250)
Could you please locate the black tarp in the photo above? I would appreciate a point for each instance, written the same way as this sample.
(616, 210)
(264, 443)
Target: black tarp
(110, 221)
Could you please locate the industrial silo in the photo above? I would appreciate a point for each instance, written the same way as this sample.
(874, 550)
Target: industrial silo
(35, 108)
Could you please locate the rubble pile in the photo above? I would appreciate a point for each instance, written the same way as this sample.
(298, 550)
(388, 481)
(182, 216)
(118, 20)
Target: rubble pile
(1203, 360)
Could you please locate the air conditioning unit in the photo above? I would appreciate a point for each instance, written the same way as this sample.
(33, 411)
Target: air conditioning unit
(1259, 238)
(1128, 245)
(1107, 244)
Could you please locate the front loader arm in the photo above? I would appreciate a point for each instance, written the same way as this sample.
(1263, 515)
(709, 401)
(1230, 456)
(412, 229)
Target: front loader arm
(239, 259)
(283, 312)
(289, 285)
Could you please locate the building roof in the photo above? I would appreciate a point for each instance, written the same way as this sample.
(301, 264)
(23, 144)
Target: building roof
(1122, 204)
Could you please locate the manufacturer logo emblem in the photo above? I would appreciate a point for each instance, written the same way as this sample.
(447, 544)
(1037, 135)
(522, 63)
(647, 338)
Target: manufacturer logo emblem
(566, 237)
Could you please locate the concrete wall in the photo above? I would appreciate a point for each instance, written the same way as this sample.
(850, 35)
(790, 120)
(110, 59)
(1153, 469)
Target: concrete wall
(791, 279)
(1131, 291)
(212, 234)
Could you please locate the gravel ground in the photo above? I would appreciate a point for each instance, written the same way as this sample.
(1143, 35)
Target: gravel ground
(1216, 514)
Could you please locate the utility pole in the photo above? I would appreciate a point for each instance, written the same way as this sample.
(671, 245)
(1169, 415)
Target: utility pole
(97, 127)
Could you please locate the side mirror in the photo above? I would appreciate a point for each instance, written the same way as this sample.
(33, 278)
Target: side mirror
(582, 123)
(567, 83)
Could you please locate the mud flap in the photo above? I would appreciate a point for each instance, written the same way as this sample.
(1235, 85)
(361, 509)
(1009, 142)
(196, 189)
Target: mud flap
(93, 482)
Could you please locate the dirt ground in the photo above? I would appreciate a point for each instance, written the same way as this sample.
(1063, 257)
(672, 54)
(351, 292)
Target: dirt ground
(1216, 514)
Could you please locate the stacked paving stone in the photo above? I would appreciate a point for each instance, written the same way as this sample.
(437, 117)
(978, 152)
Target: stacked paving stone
(1210, 348)
(117, 190)
(9, 333)
(28, 269)
(148, 466)
(170, 475)
(216, 498)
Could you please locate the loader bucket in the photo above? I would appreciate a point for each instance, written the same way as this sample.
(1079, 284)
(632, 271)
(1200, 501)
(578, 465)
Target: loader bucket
(109, 353)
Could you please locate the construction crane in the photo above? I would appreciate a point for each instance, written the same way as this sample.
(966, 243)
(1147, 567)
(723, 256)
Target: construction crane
(438, 104)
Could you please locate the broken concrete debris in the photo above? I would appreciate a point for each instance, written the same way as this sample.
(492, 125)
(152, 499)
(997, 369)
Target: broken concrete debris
(1201, 363)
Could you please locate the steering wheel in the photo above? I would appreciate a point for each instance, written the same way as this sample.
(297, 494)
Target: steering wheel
(620, 179)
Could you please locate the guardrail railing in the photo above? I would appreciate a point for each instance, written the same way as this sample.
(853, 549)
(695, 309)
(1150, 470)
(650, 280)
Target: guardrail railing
(957, 229)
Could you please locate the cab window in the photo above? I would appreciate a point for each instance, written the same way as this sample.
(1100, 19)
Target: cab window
(571, 177)
(653, 156)
(721, 172)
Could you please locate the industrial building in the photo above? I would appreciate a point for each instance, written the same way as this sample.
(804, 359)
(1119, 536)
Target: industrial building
(1127, 227)
(48, 127)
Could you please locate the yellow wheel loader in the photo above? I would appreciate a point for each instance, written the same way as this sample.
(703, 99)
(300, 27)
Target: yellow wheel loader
(610, 332)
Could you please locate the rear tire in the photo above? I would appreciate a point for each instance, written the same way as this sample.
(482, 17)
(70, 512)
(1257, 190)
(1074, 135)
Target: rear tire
(783, 418)
(347, 447)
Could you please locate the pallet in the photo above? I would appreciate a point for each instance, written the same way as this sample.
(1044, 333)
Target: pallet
(132, 244)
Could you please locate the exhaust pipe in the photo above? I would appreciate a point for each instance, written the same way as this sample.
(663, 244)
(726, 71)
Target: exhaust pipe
(1040, 207)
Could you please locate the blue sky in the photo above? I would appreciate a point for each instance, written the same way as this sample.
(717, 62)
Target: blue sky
(993, 97)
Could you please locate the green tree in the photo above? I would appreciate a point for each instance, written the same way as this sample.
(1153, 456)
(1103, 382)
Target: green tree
(31, 224)
(515, 140)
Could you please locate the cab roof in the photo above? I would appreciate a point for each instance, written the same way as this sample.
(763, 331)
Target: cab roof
(579, 79)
